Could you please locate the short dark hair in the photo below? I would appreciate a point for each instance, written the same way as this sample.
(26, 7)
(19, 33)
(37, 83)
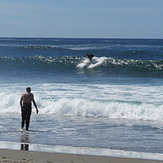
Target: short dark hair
(28, 89)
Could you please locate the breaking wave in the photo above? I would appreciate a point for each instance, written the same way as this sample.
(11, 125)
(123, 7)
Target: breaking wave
(87, 108)
(100, 65)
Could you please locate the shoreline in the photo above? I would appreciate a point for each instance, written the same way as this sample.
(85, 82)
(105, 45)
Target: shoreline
(19, 156)
(12, 152)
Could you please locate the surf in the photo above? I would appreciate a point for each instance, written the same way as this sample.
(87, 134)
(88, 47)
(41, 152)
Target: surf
(105, 66)
(81, 107)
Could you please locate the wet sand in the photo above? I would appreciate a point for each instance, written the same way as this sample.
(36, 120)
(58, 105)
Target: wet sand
(20, 156)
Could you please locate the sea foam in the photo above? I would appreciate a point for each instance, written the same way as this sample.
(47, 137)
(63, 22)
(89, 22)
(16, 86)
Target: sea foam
(88, 108)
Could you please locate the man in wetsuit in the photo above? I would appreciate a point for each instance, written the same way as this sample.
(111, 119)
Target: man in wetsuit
(26, 106)
(90, 56)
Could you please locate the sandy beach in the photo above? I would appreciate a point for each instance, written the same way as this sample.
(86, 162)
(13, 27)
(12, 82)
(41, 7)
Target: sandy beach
(20, 156)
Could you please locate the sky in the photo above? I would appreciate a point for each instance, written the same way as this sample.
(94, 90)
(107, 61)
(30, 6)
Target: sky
(82, 18)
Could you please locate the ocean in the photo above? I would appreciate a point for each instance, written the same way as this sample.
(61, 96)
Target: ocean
(113, 103)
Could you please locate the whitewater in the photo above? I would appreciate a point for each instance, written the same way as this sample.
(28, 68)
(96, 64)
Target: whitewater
(135, 102)
(112, 103)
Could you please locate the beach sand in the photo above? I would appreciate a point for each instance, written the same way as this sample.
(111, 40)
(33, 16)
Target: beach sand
(20, 156)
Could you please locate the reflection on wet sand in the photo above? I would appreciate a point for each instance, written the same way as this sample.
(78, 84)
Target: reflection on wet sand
(25, 147)
(25, 141)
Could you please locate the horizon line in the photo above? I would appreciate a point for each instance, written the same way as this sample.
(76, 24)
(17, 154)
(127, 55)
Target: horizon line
(46, 37)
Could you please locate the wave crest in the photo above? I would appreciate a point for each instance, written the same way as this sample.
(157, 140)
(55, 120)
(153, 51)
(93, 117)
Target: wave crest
(89, 108)
(100, 65)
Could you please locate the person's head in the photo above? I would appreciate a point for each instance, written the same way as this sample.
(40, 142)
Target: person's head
(90, 56)
(28, 89)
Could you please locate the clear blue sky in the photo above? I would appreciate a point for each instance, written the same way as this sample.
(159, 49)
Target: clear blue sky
(82, 18)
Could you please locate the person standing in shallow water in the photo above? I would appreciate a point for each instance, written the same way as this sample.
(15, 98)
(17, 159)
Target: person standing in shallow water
(26, 101)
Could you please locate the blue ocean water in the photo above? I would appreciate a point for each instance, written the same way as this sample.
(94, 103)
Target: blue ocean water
(114, 103)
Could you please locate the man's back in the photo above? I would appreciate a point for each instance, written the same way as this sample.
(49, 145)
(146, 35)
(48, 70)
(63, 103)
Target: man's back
(27, 97)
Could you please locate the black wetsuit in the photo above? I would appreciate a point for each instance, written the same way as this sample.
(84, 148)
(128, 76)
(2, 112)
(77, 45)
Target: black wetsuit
(90, 56)
(26, 114)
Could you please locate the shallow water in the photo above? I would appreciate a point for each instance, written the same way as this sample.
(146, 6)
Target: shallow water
(127, 135)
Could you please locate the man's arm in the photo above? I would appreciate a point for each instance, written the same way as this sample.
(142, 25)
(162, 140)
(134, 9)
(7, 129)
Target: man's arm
(34, 103)
(21, 105)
